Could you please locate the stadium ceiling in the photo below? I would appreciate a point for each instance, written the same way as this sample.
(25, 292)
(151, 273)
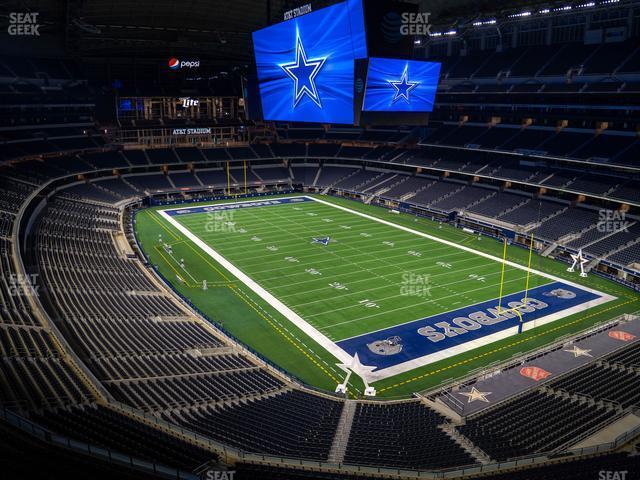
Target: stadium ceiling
(218, 30)
(214, 29)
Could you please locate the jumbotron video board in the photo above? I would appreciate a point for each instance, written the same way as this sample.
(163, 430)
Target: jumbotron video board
(305, 65)
(326, 67)
(394, 85)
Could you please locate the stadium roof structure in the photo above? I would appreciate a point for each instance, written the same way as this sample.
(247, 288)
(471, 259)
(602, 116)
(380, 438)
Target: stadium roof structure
(217, 30)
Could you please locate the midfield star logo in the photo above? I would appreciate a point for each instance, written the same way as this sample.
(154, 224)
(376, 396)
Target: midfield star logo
(321, 240)
(303, 73)
(403, 87)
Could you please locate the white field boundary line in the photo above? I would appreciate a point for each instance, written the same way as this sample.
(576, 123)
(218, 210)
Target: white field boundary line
(293, 317)
(341, 354)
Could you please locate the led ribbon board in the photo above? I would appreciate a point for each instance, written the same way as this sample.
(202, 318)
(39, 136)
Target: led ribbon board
(395, 85)
(305, 65)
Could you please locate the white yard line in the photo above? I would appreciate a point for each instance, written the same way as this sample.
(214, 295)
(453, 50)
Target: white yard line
(434, 286)
(456, 245)
(409, 262)
(323, 254)
(474, 268)
(421, 270)
(404, 307)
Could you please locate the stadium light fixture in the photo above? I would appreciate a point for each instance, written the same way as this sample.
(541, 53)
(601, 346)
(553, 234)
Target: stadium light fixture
(481, 23)
(521, 14)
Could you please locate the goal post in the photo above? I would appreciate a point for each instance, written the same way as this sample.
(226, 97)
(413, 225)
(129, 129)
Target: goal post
(504, 262)
(244, 167)
(502, 274)
(244, 176)
(526, 287)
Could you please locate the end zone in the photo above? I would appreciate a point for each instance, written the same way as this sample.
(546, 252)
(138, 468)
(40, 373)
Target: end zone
(441, 336)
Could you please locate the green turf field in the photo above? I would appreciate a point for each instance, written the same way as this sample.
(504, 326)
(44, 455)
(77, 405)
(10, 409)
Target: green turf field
(353, 285)
(369, 276)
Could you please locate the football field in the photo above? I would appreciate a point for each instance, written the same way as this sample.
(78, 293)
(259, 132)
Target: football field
(359, 284)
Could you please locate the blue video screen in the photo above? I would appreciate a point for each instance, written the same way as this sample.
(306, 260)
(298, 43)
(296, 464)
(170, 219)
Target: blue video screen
(395, 85)
(305, 65)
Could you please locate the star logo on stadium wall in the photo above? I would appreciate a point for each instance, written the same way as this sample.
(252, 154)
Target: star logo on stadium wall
(303, 73)
(475, 394)
(403, 87)
(579, 352)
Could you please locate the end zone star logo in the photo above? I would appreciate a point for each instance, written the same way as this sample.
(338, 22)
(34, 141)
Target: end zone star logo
(303, 73)
(475, 394)
(403, 87)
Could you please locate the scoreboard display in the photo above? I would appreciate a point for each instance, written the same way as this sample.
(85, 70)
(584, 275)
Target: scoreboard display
(326, 66)
(305, 65)
(400, 85)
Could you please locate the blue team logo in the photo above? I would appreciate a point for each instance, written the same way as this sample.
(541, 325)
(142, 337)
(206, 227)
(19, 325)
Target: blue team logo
(303, 73)
(321, 240)
(403, 87)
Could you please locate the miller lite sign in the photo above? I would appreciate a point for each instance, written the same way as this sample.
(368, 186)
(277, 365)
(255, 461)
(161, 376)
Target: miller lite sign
(189, 102)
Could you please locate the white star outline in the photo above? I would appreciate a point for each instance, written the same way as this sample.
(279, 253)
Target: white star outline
(578, 259)
(474, 394)
(404, 80)
(317, 63)
(579, 352)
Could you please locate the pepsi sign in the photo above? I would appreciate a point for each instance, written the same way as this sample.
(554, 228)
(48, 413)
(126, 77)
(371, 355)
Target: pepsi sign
(175, 64)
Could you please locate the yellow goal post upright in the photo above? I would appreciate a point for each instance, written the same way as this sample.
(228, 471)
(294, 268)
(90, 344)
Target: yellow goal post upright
(526, 289)
(244, 168)
(526, 286)
(244, 172)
